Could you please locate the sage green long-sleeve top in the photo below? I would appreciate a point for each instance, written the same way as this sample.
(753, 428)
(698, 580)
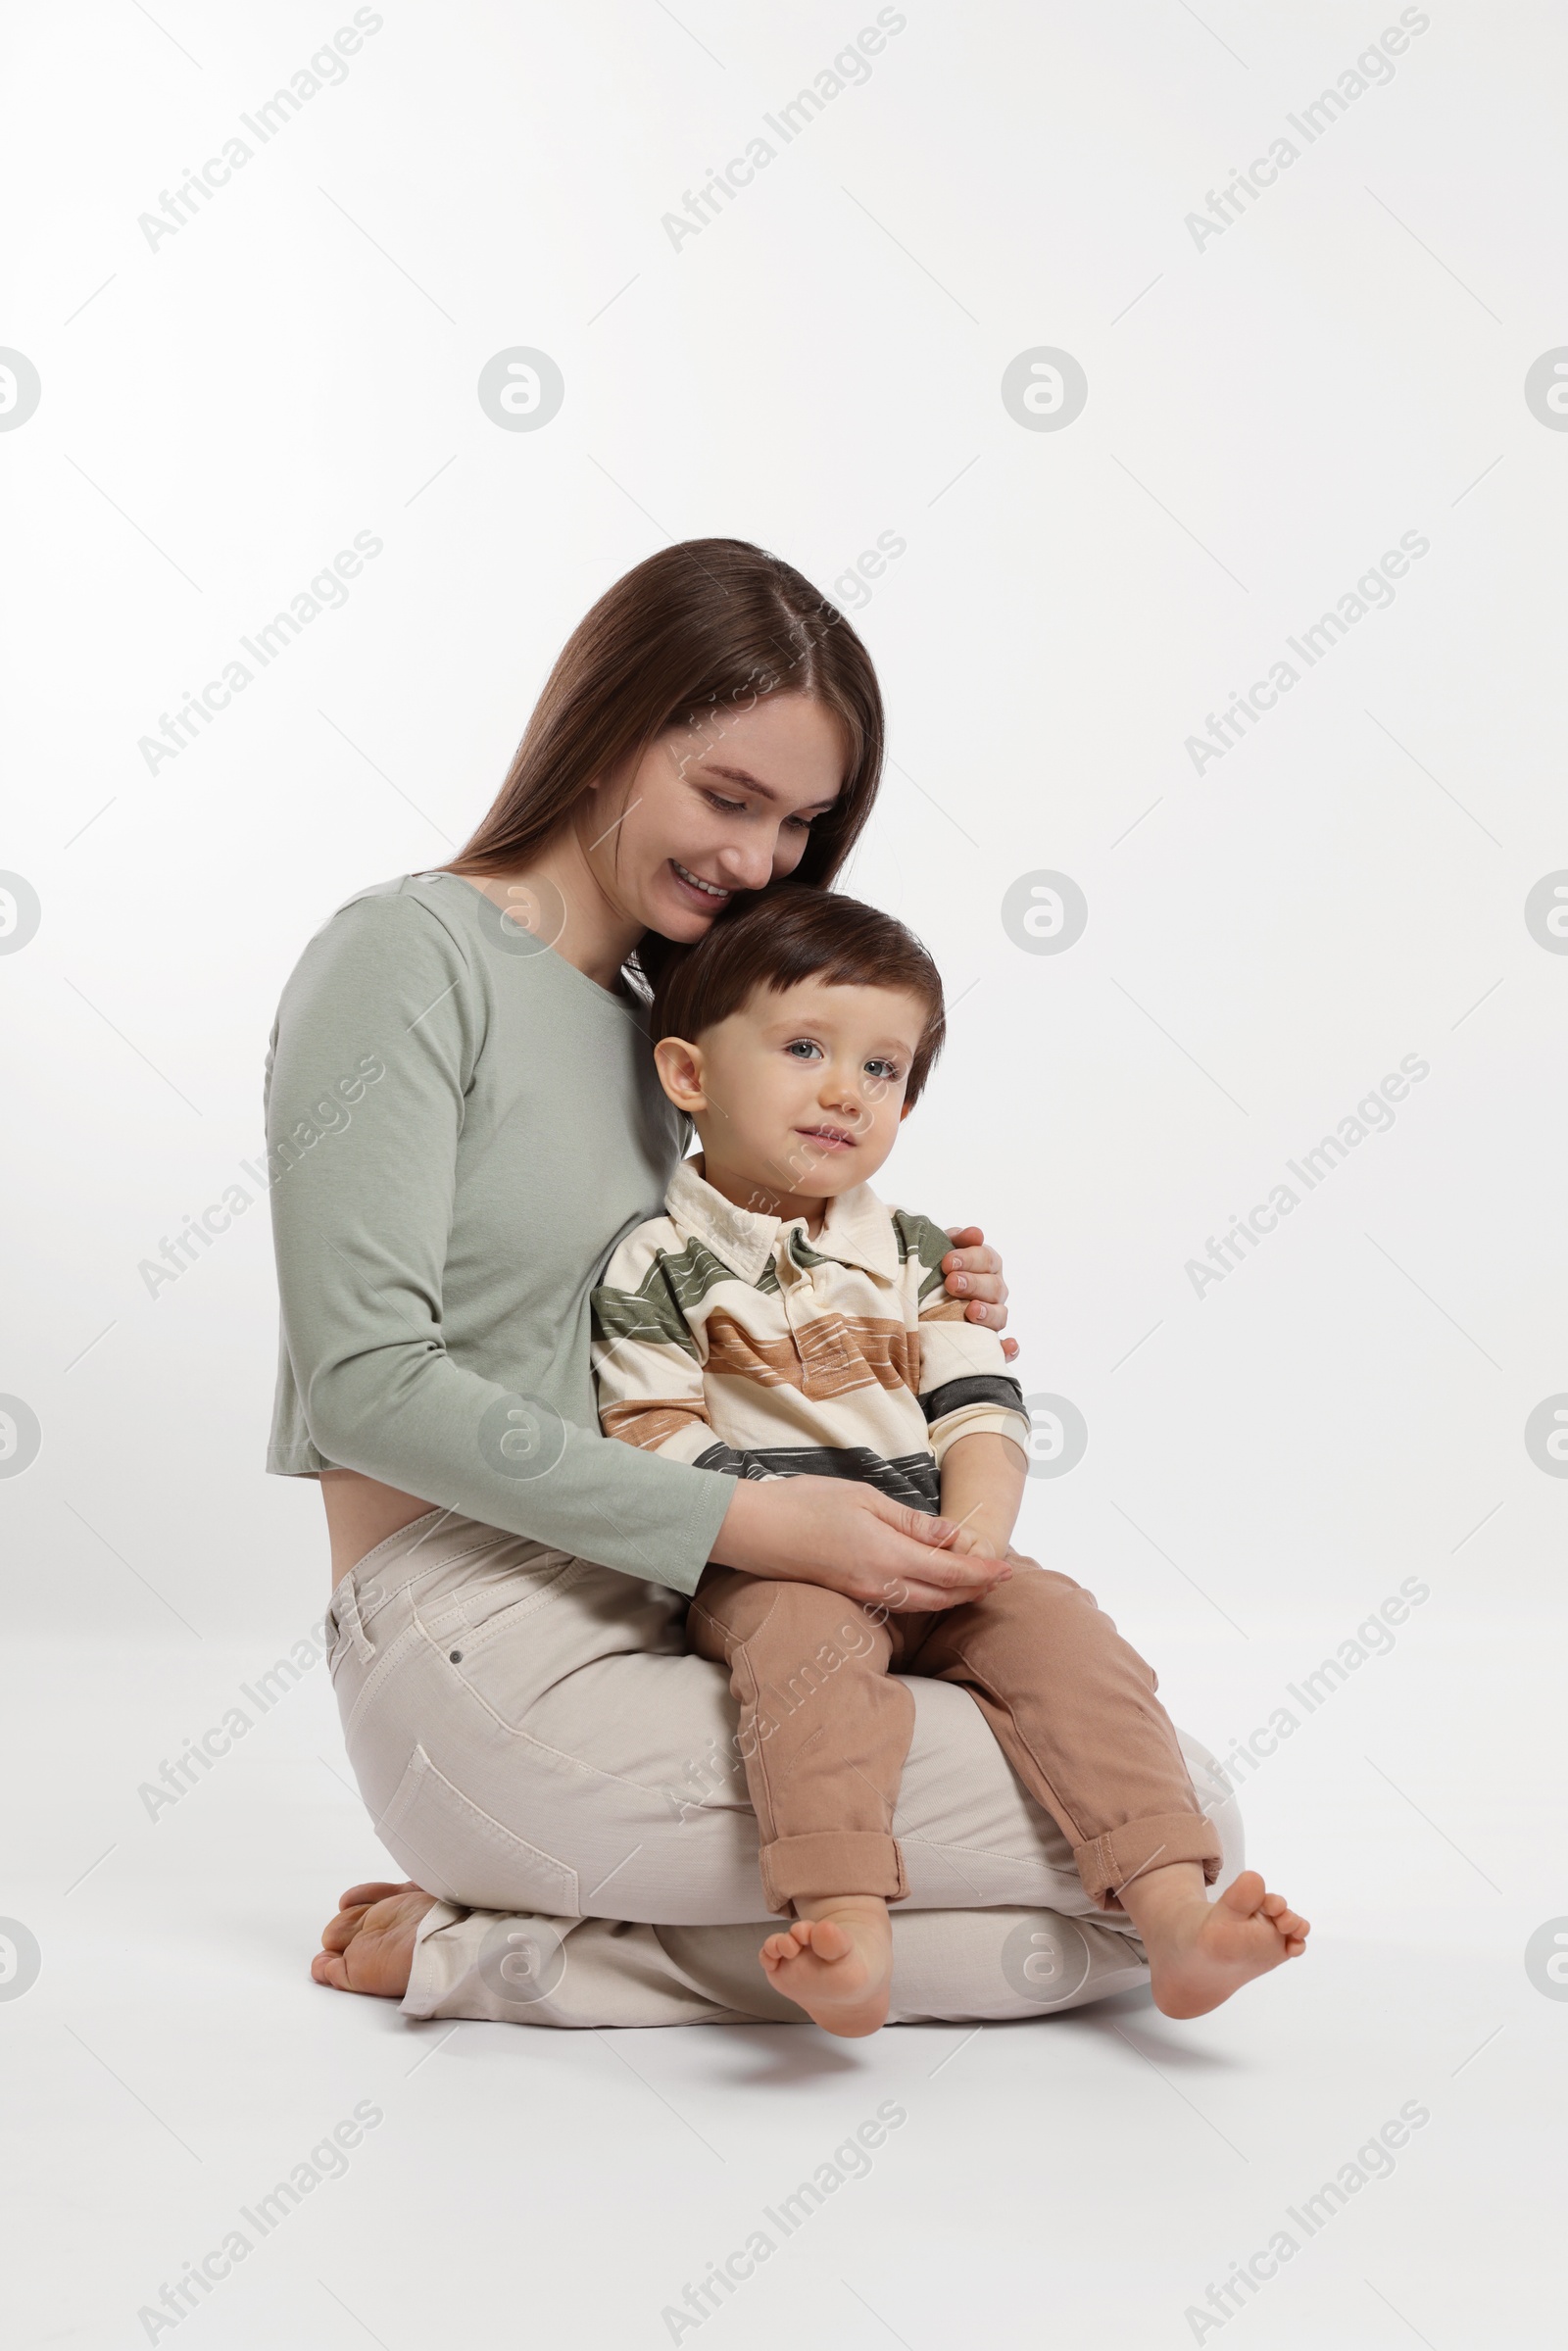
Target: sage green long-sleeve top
(461, 1127)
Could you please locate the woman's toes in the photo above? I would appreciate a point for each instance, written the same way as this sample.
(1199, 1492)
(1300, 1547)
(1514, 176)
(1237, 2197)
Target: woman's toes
(360, 1898)
(339, 1932)
(330, 1966)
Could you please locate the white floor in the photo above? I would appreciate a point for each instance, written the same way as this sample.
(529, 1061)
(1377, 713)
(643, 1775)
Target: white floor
(1076, 2182)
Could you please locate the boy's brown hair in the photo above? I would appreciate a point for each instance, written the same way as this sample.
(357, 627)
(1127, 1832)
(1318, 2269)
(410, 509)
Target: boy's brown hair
(785, 936)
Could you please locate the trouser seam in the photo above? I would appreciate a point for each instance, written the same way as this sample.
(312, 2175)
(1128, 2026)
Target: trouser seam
(1065, 1818)
(389, 1598)
(739, 1662)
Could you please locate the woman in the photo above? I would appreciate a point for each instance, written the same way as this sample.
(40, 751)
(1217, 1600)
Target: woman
(463, 1119)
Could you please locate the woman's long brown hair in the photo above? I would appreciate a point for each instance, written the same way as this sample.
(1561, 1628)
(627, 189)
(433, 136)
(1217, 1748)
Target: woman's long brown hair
(701, 631)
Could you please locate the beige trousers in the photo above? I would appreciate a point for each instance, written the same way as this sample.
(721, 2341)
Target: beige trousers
(537, 1749)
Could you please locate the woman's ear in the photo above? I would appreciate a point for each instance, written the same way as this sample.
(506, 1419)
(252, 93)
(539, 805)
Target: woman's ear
(681, 1073)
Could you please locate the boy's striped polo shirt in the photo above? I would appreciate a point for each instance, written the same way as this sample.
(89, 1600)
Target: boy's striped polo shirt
(730, 1340)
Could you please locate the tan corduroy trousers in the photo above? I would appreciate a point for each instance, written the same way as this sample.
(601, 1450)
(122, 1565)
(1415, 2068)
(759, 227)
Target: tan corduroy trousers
(826, 1720)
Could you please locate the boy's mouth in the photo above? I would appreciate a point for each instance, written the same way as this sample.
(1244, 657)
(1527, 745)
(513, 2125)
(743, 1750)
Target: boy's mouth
(832, 1139)
(708, 893)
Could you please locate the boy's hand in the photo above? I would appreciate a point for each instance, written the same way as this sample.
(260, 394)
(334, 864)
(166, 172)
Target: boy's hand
(974, 1273)
(969, 1544)
(856, 1541)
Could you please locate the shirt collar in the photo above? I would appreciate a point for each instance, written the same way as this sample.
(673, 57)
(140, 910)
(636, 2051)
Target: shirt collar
(858, 1230)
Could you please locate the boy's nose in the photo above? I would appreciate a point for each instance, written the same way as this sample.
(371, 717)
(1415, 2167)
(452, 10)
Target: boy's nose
(840, 1093)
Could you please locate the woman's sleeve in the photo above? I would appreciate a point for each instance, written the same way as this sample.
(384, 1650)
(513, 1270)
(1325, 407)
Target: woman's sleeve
(376, 1042)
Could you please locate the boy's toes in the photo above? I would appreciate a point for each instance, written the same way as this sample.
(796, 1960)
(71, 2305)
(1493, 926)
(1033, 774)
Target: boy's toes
(827, 1938)
(1244, 1893)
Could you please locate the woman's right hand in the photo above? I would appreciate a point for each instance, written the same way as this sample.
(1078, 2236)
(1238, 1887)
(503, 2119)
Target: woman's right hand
(853, 1540)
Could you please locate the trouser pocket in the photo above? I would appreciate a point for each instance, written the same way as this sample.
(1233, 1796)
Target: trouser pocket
(452, 1847)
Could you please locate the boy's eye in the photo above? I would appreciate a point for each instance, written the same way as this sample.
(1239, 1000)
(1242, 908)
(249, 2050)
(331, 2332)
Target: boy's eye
(887, 1072)
(804, 1048)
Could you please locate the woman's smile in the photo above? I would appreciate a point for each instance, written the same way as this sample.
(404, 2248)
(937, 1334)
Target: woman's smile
(708, 893)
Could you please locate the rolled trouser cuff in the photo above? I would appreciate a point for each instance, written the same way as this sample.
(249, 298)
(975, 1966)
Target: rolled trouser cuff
(832, 1861)
(1107, 1863)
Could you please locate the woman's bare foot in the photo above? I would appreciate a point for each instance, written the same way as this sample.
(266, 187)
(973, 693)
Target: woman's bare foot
(370, 1945)
(1201, 1951)
(836, 1962)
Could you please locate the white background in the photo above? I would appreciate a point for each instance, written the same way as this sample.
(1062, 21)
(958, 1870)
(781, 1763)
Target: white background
(1267, 413)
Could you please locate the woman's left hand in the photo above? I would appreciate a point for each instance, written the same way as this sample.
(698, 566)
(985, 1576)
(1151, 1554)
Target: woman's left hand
(974, 1274)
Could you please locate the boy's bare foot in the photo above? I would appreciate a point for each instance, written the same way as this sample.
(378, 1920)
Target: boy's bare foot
(836, 1962)
(370, 1945)
(1200, 1951)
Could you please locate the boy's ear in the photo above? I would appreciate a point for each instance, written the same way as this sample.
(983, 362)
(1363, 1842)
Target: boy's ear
(681, 1073)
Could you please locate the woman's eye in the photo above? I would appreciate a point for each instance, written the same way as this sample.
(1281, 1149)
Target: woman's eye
(716, 800)
(798, 824)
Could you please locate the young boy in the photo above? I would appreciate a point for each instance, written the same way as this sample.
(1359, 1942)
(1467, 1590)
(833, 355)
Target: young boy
(780, 1321)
